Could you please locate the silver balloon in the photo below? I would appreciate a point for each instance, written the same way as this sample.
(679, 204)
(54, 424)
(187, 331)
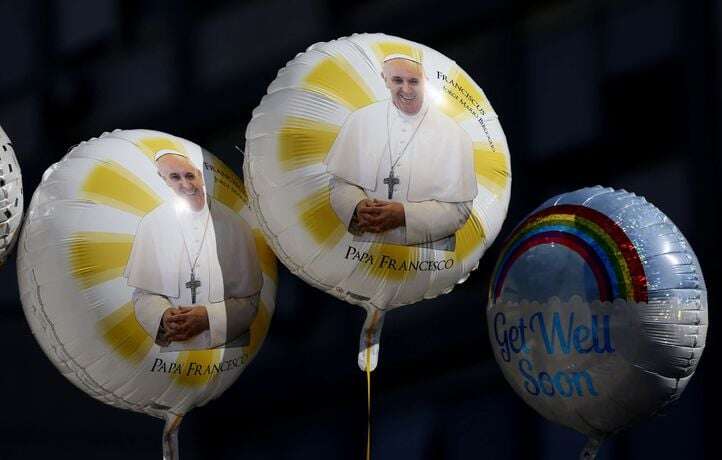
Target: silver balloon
(597, 311)
(11, 197)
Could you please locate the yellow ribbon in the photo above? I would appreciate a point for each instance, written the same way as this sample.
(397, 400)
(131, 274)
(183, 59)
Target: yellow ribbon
(369, 334)
(368, 398)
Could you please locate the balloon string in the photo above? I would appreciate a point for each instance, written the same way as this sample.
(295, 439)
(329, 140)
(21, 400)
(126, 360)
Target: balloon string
(170, 436)
(369, 334)
(368, 399)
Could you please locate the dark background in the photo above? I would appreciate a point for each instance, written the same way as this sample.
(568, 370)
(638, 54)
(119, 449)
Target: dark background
(624, 94)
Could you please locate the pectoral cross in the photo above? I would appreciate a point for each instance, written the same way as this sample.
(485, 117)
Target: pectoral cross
(390, 182)
(193, 284)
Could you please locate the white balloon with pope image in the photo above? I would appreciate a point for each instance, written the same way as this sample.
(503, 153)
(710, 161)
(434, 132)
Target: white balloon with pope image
(379, 173)
(143, 274)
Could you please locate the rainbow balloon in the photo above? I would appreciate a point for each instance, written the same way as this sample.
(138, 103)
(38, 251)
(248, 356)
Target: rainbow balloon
(604, 246)
(597, 311)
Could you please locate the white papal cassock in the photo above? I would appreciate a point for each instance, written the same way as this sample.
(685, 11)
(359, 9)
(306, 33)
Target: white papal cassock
(437, 183)
(227, 267)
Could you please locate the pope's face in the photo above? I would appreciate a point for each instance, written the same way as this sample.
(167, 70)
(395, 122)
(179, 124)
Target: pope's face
(184, 178)
(405, 80)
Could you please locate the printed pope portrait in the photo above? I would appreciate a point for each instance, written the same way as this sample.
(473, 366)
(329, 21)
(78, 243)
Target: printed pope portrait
(402, 171)
(193, 265)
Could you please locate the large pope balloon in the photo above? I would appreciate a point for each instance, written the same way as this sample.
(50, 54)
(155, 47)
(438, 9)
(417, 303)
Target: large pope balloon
(597, 311)
(379, 173)
(11, 197)
(143, 274)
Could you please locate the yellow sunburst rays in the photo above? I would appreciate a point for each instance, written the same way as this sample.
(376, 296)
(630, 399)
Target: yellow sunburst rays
(384, 48)
(125, 335)
(259, 329)
(266, 257)
(228, 187)
(320, 220)
(392, 262)
(335, 78)
(112, 185)
(303, 142)
(462, 98)
(469, 237)
(493, 173)
(151, 145)
(97, 257)
(492, 168)
(198, 367)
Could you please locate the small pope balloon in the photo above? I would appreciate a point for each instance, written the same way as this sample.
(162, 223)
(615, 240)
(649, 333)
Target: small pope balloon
(143, 274)
(11, 197)
(379, 173)
(597, 311)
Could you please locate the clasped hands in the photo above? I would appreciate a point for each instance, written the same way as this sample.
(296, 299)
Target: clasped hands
(182, 323)
(377, 216)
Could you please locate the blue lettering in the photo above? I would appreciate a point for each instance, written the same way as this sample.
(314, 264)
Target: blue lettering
(576, 378)
(545, 381)
(522, 328)
(503, 343)
(563, 383)
(533, 389)
(581, 335)
(608, 348)
(513, 337)
(557, 330)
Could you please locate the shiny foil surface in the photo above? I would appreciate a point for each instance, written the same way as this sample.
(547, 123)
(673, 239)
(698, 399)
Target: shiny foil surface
(11, 197)
(597, 310)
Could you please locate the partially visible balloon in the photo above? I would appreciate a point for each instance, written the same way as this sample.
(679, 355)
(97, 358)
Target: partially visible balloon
(11, 197)
(143, 274)
(597, 311)
(379, 172)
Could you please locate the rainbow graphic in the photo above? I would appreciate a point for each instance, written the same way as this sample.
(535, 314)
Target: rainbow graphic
(602, 244)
